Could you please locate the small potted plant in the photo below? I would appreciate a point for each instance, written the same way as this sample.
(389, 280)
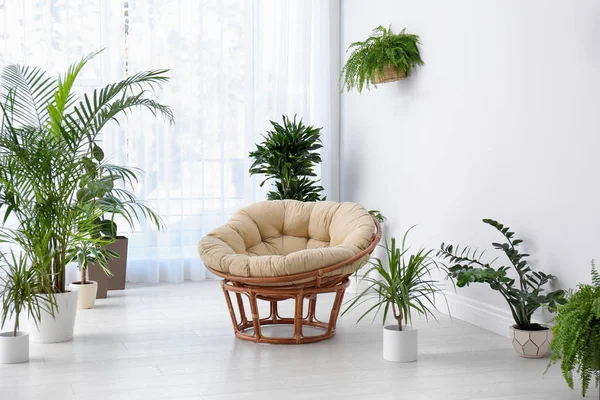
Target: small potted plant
(523, 294)
(577, 335)
(288, 157)
(20, 293)
(384, 57)
(105, 192)
(406, 286)
(86, 254)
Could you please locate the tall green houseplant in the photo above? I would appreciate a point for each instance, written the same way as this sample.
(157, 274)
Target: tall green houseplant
(288, 156)
(576, 343)
(383, 57)
(47, 136)
(523, 294)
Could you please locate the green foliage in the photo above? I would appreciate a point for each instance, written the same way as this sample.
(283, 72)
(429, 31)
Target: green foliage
(21, 291)
(383, 47)
(576, 340)
(106, 190)
(524, 297)
(288, 156)
(406, 284)
(378, 216)
(47, 144)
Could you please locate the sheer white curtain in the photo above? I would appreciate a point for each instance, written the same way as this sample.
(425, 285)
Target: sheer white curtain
(234, 64)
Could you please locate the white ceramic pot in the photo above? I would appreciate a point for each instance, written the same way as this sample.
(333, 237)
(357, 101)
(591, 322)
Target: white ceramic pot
(14, 349)
(60, 328)
(400, 346)
(87, 293)
(530, 344)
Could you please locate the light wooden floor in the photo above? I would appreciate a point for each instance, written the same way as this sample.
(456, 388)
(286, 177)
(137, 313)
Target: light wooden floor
(175, 341)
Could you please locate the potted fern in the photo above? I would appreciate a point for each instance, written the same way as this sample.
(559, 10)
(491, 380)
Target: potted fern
(20, 294)
(523, 294)
(404, 285)
(288, 156)
(576, 341)
(383, 57)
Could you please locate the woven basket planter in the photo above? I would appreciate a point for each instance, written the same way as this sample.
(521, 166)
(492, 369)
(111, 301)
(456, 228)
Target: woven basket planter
(390, 74)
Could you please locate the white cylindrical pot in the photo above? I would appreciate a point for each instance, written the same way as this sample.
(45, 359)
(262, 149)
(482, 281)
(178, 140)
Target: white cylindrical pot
(60, 328)
(14, 349)
(87, 293)
(530, 344)
(400, 346)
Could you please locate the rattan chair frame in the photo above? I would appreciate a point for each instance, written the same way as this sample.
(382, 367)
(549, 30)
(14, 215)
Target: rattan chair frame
(301, 287)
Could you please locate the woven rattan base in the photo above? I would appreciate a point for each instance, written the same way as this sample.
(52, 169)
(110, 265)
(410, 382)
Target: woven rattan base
(250, 329)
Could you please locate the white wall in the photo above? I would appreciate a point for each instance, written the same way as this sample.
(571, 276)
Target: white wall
(502, 122)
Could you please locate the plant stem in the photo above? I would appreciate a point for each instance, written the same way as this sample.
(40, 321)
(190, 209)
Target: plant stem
(398, 315)
(16, 328)
(83, 281)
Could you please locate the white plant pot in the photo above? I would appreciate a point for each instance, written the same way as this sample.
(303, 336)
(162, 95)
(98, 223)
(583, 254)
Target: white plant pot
(87, 294)
(530, 344)
(14, 349)
(400, 346)
(60, 328)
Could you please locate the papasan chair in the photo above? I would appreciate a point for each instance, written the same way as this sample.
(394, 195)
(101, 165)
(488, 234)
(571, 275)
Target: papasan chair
(286, 249)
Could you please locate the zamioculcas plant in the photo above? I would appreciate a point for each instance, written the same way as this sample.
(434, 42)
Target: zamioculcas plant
(523, 294)
(288, 157)
(576, 341)
(383, 57)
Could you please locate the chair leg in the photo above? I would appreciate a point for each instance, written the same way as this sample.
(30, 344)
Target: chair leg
(240, 302)
(255, 316)
(231, 312)
(312, 308)
(298, 316)
(335, 311)
(274, 311)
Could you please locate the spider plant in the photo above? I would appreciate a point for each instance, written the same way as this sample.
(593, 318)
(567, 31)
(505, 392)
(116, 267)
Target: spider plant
(288, 156)
(406, 284)
(576, 340)
(47, 135)
(383, 48)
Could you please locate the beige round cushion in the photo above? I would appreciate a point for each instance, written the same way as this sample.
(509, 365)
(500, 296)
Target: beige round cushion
(286, 237)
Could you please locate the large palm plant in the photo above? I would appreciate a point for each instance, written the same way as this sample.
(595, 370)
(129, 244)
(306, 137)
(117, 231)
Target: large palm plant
(47, 136)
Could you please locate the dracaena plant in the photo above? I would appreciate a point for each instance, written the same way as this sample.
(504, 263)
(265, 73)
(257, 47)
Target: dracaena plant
(21, 291)
(523, 293)
(47, 135)
(383, 48)
(576, 342)
(288, 156)
(405, 285)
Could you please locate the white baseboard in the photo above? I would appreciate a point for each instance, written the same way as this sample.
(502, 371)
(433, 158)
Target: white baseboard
(483, 315)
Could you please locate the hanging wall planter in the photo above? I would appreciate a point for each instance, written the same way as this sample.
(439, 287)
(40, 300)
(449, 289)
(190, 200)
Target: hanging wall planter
(383, 57)
(389, 74)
